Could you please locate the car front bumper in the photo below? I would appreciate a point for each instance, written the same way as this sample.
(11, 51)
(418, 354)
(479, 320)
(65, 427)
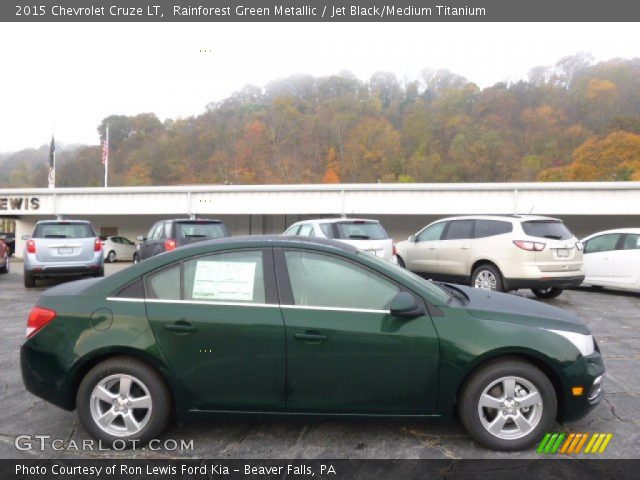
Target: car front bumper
(589, 373)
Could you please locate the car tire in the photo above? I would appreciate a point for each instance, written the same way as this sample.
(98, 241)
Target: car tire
(489, 385)
(100, 273)
(550, 292)
(488, 275)
(29, 280)
(136, 258)
(7, 266)
(99, 389)
(597, 287)
(111, 257)
(400, 262)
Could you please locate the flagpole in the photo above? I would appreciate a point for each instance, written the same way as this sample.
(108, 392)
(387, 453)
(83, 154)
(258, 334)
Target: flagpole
(106, 159)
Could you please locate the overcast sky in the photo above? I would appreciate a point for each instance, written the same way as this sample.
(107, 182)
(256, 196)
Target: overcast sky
(67, 77)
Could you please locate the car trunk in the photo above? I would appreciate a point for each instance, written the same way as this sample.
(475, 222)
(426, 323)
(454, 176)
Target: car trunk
(64, 242)
(560, 253)
(364, 235)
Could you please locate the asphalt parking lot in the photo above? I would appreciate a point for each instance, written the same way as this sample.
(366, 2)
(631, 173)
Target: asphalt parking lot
(614, 319)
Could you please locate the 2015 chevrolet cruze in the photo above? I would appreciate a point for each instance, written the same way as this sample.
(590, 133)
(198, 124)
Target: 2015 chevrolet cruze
(291, 325)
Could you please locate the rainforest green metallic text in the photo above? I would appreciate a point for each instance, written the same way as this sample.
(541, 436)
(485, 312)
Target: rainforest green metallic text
(280, 355)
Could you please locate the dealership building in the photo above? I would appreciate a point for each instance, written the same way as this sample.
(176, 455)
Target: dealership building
(264, 209)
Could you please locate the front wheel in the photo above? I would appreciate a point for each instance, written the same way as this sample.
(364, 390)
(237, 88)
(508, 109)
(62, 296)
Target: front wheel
(123, 399)
(549, 292)
(111, 257)
(508, 405)
(487, 277)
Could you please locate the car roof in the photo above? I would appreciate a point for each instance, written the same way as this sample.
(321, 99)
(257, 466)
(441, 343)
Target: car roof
(523, 218)
(64, 220)
(615, 230)
(193, 220)
(272, 241)
(335, 220)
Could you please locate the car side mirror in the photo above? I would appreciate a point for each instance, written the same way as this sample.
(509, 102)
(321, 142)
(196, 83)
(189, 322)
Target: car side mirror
(405, 305)
(25, 237)
(141, 238)
(412, 238)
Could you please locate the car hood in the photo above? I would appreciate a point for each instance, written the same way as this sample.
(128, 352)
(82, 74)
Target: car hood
(514, 309)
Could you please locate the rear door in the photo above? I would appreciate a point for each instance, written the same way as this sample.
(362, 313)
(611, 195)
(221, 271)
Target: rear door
(422, 255)
(345, 352)
(218, 324)
(626, 261)
(146, 247)
(454, 249)
(64, 241)
(598, 257)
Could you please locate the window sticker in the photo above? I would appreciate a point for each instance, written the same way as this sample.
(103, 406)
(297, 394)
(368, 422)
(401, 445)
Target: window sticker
(224, 281)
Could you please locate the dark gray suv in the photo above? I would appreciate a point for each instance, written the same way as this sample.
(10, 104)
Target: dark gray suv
(168, 235)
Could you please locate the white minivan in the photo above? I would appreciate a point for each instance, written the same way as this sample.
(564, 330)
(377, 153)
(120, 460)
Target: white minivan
(366, 235)
(612, 259)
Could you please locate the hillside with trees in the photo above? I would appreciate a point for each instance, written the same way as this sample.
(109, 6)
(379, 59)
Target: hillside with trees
(576, 120)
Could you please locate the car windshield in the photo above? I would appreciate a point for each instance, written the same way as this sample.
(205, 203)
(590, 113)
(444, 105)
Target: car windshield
(360, 230)
(64, 230)
(200, 230)
(552, 229)
(440, 294)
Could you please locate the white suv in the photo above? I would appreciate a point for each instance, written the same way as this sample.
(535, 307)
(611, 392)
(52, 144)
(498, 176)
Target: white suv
(497, 252)
(367, 235)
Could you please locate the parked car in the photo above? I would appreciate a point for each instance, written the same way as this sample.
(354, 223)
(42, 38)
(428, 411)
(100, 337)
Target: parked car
(10, 240)
(497, 252)
(167, 235)
(117, 248)
(208, 328)
(366, 235)
(612, 259)
(4, 257)
(62, 248)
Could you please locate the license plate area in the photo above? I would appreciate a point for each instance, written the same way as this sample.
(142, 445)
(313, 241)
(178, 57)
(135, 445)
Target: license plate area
(562, 252)
(65, 250)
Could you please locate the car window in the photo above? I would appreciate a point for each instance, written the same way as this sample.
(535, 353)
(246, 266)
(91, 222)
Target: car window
(155, 231)
(552, 229)
(200, 229)
(489, 228)
(292, 230)
(116, 240)
(360, 230)
(126, 241)
(602, 243)
(459, 229)
(164, 284)
(226, 277)
(306, 230)
(351, 286)
(434, 232)
(631, 242)
(166, 231)
(327, 229)
(63, 230)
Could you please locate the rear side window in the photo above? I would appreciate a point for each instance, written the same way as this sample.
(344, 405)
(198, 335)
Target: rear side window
(602, 243)
(459, 229)
(552, 229)
(631, 242)
(64, 230)
(489, 228)
(164, 284)
(360, 231)
(327, 229)
(200, 230)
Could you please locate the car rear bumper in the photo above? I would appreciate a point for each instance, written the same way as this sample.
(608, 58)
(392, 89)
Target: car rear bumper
(93, 266)
(42, 376)
(543, 282)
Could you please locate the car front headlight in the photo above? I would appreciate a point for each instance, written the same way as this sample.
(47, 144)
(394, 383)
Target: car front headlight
(584, 343)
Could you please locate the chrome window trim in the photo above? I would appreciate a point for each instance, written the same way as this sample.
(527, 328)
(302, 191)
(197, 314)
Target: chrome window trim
(335, 309)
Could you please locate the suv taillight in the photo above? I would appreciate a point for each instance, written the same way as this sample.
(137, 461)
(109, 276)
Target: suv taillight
(97, 245)
(169, 245)
(31, 246)
(529, 246)
(38, 318)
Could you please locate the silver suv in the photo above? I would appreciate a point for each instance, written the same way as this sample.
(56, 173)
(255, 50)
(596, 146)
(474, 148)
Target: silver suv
(62, 248)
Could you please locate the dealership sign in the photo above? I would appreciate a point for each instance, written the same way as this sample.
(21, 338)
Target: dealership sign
(19, 203)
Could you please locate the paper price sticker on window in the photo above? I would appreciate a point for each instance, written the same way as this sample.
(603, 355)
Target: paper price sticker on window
(224, 281)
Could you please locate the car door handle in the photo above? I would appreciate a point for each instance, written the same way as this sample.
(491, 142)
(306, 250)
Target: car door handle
(432, 248)
(464, 247)
(312, 337)
(180, 327)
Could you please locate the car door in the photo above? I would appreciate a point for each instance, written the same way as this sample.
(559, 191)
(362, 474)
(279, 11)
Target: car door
(626, 261)
(422, 255)
(220, 329)
(146, 246)
(454, 248)
(345, 352)
(597, 257)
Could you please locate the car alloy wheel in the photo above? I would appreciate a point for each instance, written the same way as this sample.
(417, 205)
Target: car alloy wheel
(485, 280)
(121, 405)
(111, 257)
(510, 408)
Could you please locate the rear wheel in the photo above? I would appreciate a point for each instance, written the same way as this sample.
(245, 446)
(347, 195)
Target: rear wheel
(549, 292)
(123, 399)
(29, 280)
(487, 277)
(136, 258)
(111, 257)
(100, 273)
(508, 405)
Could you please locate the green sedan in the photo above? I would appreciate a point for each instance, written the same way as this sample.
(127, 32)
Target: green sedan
(297, 326)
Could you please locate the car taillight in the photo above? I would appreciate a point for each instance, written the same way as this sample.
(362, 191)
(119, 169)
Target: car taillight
(529, 246)
(169, 244)
(97, 245)
(395, 250)
(31, 246)
(38, 318)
